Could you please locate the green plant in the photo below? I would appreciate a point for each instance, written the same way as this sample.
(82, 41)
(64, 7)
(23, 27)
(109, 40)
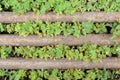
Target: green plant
(60, 28)
(55, 74)
(59, 6)
(86, 52)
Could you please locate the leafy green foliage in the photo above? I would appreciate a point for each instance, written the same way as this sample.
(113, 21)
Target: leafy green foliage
(5, 51)
(19, 6)
(116, 32)
(58, 28)
(55, 74)
(59, 6)
(86, 52)
(88, 27)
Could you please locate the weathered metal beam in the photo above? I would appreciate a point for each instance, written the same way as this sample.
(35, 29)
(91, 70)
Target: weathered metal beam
(10, 17)
(20, 63)
(34, 40)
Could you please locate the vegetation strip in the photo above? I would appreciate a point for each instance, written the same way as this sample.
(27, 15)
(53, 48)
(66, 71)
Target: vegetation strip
(56, 74)
(33, 40)
(20, 63)
(86, 52)
(9, 17)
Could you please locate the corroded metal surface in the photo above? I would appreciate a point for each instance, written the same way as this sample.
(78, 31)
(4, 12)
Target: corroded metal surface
(33, 40)
(9, 17)
(19, 63)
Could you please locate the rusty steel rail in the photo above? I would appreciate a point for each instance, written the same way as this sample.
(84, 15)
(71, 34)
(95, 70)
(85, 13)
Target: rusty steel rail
(10, 17)
(20, 63)
(34, 40)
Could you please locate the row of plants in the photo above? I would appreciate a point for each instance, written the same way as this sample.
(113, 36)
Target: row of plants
(86, 52)
(59, 6)
(55, 74)
(60, 28)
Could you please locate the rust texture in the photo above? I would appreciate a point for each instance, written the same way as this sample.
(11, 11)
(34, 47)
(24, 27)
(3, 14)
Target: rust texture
(34, 40)
(10, 17)
(20, 63)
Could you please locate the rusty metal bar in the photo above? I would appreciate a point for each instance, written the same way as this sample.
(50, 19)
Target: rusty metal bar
(34, 40)
(20, 63)
(10, 17)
